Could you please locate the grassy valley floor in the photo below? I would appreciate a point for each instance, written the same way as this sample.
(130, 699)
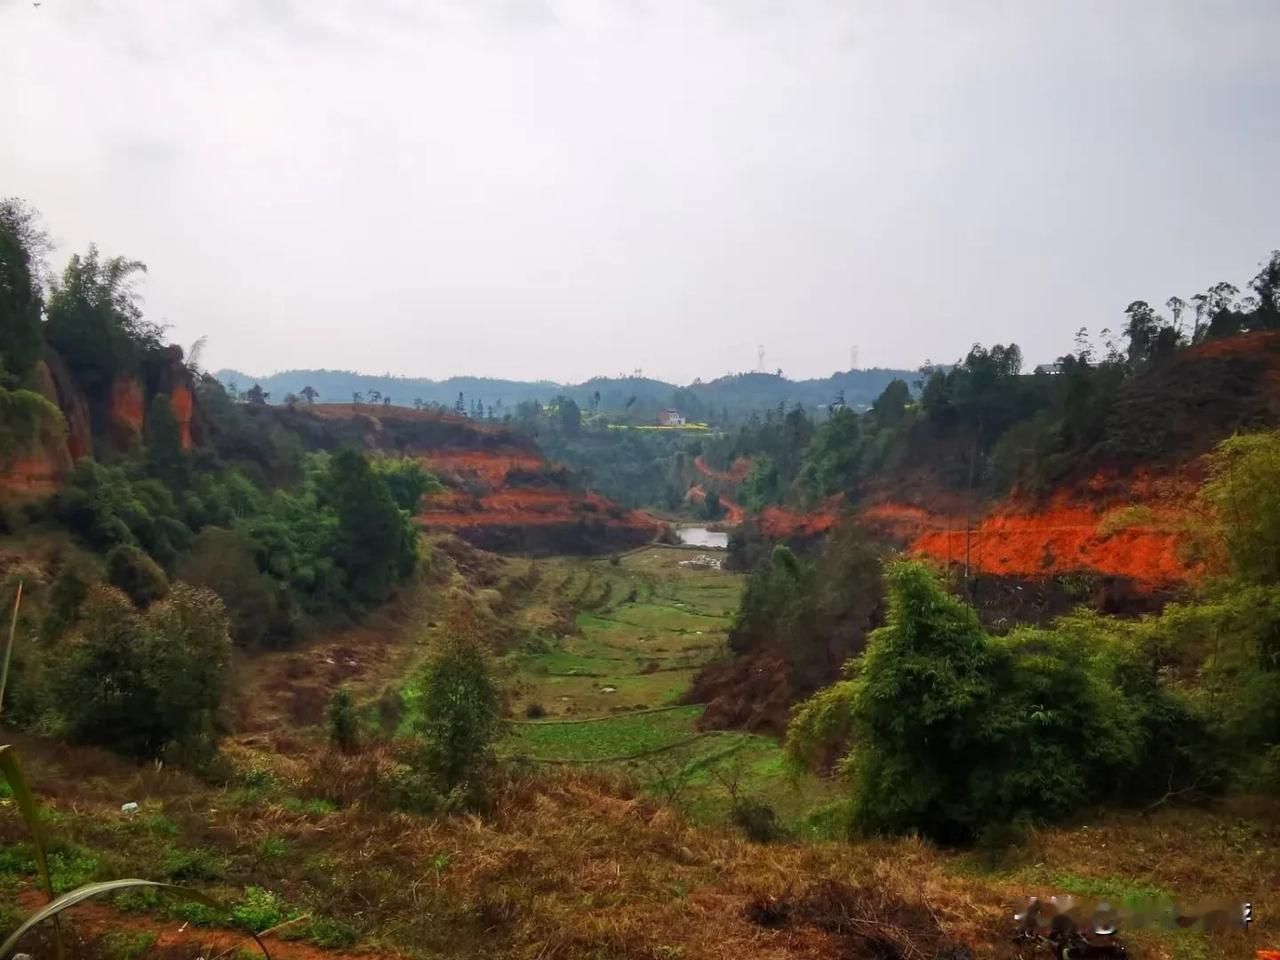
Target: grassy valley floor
(606, 696)
(579, 854)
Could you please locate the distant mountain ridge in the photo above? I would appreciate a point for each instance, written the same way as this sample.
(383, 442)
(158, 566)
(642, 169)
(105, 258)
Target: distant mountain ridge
(727, 397)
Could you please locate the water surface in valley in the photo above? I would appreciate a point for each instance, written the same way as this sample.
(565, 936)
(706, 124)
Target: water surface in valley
(702, 537)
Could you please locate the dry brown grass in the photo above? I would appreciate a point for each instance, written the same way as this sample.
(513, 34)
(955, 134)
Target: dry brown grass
(569, 864)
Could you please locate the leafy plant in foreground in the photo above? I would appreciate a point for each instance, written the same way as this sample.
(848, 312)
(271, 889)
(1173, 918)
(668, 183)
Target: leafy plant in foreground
(459, 705)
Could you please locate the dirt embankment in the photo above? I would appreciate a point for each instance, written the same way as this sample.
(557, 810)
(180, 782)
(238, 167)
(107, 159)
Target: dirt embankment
(736, 473)
(500, 493)
(116, 419)
(732, 511)
(1143, 529)
(780, 523)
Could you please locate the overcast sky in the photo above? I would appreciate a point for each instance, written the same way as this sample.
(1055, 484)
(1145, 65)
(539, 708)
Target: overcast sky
(538, 188)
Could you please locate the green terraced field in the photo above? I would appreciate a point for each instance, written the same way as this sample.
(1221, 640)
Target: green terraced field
(643, 628)
(602, 739)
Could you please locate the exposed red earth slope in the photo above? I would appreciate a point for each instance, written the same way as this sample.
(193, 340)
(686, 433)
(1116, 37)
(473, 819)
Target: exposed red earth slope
(500, 493)
(1148, 545)
(736, 473)
(38, 467)
(732, 512)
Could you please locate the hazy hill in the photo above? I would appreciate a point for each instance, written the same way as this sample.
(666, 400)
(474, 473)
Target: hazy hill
(738, 394)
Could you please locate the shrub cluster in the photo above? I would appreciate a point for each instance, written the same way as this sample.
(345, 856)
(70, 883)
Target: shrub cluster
(949, 729)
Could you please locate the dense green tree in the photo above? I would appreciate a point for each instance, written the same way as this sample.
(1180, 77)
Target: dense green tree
(1243, 488)
(459, 701)
(892, 402)
(711, 506)
(165, 456)
(261, 610)
(950, 730)
(569, 415)
(375, 544)
(146, 684)
(22, 243)
(26, 419)
(140, 577)
(343, 723)
(95, 321)
(835, 454)
(1266, 290)
(407, 480)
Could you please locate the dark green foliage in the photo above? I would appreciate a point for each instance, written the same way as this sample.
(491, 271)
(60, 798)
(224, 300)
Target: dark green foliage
(293, 541)
(407, 480)
(771, 602)
(95, 323)
(140, 577)
(951, 730)
(570, 416)
(26, 419)
(756, 819)
(891, 405)
(1030, 456)
(343, 725)
(814, 611)
(261, 610)
(631, 467)
(1243, 489)
(21, 245)
(165, 457)
(459, 701)
(107, 506)
(241, 436)
(711, 508)
(376, 544)
(148, 683)
(66, 594)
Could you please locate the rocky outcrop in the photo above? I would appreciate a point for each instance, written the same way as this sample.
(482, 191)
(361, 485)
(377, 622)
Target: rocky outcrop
(125, 407)
(32, 475)
(183, 403)
(71, 401)
(36, 469)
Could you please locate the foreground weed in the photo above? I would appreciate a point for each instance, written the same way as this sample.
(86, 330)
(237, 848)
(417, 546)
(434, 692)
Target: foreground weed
(122, 945)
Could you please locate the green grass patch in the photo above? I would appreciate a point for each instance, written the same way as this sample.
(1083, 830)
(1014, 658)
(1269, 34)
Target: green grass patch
(602, 739)
(126, 945)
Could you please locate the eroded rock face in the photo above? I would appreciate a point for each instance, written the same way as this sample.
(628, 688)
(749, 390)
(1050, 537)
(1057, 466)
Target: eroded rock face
(36, 469)
(35, 474)
(71, 401)
(183, 402)
(173, 378)
(125, 413)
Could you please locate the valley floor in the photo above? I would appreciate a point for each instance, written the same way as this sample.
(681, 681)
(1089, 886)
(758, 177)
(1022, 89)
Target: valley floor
(608, 695)
(607, 833)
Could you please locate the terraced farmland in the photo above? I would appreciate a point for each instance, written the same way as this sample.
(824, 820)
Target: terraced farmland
(606, 695)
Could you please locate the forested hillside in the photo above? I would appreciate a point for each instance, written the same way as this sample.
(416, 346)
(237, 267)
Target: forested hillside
(725, 400)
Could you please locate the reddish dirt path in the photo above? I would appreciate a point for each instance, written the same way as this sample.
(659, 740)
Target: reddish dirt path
(732, 512)
(736, 473)
(93, 920)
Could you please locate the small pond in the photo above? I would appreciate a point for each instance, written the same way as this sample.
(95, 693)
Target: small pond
(702, 537)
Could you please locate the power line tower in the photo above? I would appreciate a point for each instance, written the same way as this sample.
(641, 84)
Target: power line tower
(760, 359)
(853, 357)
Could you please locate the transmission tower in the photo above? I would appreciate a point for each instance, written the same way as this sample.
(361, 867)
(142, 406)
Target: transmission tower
(760, 359)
